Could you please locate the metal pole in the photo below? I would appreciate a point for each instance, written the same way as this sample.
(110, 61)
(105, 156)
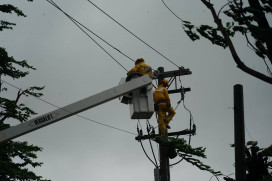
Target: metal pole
(239, 133)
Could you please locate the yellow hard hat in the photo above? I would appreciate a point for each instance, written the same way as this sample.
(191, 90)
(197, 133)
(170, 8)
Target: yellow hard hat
(165, 81)
(139, 60)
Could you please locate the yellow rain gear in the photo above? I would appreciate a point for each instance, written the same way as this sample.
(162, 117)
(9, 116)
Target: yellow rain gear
(165, 111)
(142, 68)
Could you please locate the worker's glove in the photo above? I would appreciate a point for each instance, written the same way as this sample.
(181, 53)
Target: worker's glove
(156, 107)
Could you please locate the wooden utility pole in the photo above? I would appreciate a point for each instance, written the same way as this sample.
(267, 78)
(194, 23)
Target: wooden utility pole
(157, 174)
(239, 133)
(164, 162)
(163, 173)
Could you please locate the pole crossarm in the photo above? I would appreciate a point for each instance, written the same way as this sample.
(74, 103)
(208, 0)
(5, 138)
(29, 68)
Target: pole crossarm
(179, 90)
(183, 132)
(174, 73)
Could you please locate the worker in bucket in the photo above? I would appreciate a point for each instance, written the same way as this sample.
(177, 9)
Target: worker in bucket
(141, 68)
(163, 106)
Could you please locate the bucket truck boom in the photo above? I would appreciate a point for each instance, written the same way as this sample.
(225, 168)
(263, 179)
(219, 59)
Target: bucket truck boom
(75, 108)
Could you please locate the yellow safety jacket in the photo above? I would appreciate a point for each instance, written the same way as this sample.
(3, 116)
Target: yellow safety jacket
(161, 93)
(142, 68)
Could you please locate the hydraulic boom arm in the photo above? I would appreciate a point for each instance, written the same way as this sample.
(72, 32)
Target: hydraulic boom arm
(74, 108)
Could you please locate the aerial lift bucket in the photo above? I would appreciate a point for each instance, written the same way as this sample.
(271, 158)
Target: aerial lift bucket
(141, 104)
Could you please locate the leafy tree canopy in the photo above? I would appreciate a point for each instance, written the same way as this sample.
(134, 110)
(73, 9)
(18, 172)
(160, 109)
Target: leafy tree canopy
(186, 152)
(249, 19)
(12, 151)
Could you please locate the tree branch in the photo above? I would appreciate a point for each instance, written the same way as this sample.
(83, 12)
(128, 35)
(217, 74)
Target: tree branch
(260, 18)
(19, 94)
(239, 62)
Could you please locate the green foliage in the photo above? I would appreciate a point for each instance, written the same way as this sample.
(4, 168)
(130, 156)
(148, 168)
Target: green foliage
(188, 28)
(11, 109)
(258, 165)
(8, 66)
(267, 152)
(246, 20)
(8, 8)
(6, 25)
(15, 157)
(249, 21)
(212, 34)
(206, 31)
(12, 170)
(188, 153)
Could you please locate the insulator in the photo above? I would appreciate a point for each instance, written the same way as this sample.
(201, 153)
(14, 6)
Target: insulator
(194, 127)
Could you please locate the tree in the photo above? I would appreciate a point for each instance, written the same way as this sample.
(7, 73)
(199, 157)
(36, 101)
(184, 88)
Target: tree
(15, 156)
(178, 146)
(258, 164)
(248, 19)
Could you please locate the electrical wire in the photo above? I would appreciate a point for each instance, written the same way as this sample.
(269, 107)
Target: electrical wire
(248, 133)
(172, 11)
(155, 164)
(223, 7)
(78, 23)
(191, 120)
(267, 68)
(191, 115)
(190, 112)
(140, 124)
(81, 26)
(112, 127)
(147, 154)
(177, 162)
(148, 125)
(214, 176)
(132, 33)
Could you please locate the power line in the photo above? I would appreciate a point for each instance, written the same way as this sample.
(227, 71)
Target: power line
(172, 11)
(132, 33)
(249, 133)
(140, 131)
(78, 23)
(148, 130)
(70, 112)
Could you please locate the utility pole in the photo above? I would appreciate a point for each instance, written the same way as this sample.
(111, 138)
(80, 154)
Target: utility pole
(163, 174)
(239, 133)
(164, 162)
(157, 174)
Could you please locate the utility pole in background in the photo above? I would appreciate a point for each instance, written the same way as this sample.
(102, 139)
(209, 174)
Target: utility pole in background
(239, 133)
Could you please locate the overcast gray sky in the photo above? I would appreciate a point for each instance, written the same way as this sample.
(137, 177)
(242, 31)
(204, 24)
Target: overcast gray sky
(72, 67)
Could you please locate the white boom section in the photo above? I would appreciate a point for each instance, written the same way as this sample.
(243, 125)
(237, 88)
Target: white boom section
(74, 108)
